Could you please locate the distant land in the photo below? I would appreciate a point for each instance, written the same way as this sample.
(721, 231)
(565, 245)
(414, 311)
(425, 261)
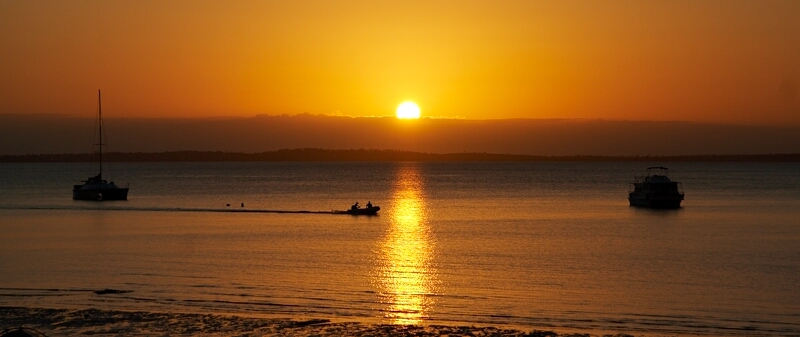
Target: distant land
(362, 155)
(58, 134)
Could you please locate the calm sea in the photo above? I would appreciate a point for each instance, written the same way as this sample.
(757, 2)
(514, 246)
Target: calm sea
(530, 245)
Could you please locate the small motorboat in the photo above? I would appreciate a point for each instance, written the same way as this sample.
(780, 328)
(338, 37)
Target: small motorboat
(656, 190)
(358, 210)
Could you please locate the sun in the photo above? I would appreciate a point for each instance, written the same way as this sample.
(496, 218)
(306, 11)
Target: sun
(408, 110)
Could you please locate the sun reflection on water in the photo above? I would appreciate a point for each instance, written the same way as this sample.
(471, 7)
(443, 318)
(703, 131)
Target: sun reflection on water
(406, 278)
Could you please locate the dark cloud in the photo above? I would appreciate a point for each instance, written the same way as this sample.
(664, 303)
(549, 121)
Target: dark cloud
(42, 134)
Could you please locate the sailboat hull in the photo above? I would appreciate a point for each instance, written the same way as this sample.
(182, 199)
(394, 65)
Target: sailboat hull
(80, 192)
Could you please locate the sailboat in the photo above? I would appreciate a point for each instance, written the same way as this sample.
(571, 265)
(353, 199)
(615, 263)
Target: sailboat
(95, 188)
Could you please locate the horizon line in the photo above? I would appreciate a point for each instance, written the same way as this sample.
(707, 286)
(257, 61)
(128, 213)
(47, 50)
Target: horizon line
(377, 155)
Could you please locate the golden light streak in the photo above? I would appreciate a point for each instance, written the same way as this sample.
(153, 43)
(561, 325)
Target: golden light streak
(406, 277)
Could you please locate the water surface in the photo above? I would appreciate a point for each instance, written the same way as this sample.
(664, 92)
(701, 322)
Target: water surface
(530, 245)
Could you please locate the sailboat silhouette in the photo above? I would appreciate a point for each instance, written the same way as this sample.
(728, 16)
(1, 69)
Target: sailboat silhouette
(95, 188)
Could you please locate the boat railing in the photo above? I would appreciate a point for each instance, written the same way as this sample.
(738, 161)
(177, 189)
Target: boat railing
(661, 171)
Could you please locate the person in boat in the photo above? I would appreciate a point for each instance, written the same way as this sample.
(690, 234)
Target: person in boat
(355, 206)
(369, 204)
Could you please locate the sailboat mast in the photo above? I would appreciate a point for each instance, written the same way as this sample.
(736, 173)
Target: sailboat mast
(100, 127)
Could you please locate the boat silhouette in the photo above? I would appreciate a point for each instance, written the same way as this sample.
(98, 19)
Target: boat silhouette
(96, 188)
(358, 210)
(656, 190)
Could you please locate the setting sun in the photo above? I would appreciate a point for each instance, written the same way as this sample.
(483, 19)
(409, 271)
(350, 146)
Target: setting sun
(408, 110)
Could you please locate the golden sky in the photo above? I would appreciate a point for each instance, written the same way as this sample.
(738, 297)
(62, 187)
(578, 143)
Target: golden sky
(710, 61)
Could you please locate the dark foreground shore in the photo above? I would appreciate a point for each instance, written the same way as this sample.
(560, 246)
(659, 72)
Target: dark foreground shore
(64, 322)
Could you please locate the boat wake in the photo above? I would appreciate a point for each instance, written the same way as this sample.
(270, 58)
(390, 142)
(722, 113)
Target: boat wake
(165, 209)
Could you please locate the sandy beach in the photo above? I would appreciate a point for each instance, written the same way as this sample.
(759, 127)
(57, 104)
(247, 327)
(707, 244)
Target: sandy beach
(64, 322)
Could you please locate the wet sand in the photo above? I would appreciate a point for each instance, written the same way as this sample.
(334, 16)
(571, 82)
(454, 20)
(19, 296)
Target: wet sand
(64, 322)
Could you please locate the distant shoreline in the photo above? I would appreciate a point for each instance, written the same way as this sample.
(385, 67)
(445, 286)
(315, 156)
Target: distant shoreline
(362, 155)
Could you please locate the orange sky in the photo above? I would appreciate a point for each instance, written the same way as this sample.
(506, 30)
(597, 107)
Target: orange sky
(711, 61)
